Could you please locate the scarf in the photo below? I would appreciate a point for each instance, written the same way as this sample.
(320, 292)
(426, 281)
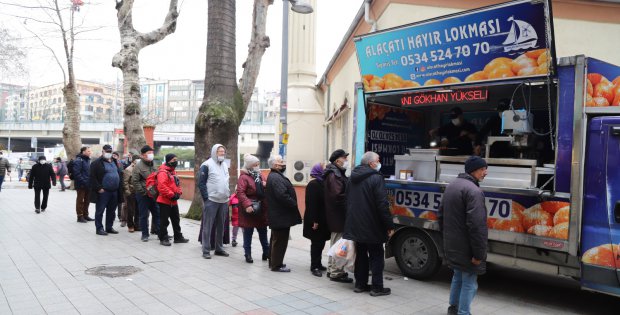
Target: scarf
(317, 172)
(260, 191)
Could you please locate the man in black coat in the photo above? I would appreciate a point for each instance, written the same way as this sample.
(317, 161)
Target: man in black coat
(463, 221)
(40, 176)
(106, 190)
(368, 223)
(283, 212)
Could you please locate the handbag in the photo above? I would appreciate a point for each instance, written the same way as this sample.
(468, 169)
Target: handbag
(256, 207)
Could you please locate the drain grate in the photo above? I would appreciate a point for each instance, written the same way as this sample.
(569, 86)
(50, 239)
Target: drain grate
(112, 271)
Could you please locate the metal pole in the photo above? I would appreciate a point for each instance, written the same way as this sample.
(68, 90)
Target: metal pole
(284, 78)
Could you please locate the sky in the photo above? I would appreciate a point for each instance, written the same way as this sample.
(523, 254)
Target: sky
(181, 55)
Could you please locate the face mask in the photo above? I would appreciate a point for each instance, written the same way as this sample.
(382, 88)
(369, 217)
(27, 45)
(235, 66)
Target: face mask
(220, 158)
(345, 165)
(150, 157)
(173, 164)
(42, 161)
(256, 168)
(456, 122)
(283, 168)
(107, 156)
(378, 167)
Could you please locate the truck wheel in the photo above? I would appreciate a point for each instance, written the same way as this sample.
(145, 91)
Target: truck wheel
(416, 255)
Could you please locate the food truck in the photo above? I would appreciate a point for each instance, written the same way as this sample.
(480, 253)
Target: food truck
(553, 184)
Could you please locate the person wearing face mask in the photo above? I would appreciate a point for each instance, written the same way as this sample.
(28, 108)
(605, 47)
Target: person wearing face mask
(335, 181)
(131, 215)
(315, 224)
(61, 171)
(106, 190)
(169, 189)
(457, 135)
(368, 223)
(40, 176)
(252, 206)
(146, 205)
(215, 191)
(81, 177)
(283, 212)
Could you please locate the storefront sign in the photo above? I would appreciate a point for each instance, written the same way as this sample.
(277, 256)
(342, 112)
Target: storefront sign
(451, 97)
(498, 42)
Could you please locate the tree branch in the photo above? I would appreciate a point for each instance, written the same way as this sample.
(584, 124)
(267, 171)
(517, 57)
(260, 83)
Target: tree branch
(167, 28)
(64, 75)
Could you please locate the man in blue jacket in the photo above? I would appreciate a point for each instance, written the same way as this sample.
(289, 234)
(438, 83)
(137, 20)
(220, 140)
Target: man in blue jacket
(81, 171)
(105, 183)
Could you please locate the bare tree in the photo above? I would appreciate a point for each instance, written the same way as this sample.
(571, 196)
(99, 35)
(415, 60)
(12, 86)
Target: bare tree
(11, 55)
(224, 103)
(126, 59)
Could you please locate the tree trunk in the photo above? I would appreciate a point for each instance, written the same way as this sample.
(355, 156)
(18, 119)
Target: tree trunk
(71, 129)
(126, 59)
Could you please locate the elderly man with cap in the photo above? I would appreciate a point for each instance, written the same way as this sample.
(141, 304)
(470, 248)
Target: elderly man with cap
(335, 183)
(106, 190)
(146, 204)
(457, 135)
(463, 221)
(169, 189)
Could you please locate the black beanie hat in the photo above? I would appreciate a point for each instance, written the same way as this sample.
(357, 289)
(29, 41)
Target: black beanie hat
(146, 148)
(170, 156)
(474, 163)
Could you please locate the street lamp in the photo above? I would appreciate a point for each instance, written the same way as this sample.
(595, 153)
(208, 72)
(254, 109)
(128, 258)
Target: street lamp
(302, 7)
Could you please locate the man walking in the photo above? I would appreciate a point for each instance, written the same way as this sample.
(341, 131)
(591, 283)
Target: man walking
(283, 211)
(81, 175)
(368, 223)
(5, 168)
(462, 219)
(61, 171)
(40, 176)
(336, 207)
(130, 216)
(215, 192)
(146, 204)
(169, 192)
(105, 178)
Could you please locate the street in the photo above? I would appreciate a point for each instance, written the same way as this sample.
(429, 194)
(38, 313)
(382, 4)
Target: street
(47, 258)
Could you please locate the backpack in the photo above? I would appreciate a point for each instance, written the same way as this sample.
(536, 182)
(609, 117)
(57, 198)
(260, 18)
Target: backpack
(151, 185)
(70, 169)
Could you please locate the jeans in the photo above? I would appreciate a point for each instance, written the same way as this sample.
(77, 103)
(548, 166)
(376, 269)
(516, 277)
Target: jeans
(37, 198)
(172, 212)
(369, 257)
(247, 240)
(462, 290)
(106, 201)
(1, 181)
(146, 205)
(213, 213)
(61, 179)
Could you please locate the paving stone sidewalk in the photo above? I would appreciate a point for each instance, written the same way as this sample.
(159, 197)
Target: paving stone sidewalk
(44, 260)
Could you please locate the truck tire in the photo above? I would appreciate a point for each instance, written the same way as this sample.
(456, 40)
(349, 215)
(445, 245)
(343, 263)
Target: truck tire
(416, 255)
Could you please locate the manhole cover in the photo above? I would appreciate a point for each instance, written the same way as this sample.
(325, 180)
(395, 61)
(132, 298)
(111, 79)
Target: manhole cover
(112, 271)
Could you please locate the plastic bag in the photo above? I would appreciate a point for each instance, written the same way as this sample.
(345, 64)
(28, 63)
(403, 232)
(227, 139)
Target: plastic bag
(343, 254)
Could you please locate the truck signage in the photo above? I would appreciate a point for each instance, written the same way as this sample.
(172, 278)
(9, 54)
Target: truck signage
(498, 42)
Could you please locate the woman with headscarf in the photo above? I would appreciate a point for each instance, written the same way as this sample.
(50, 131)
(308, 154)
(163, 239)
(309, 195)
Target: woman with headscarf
(315, 224)
(252, 206)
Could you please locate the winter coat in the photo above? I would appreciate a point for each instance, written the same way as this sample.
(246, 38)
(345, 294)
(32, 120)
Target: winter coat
(282, 200)
(5, 166)
(246, 192)
(167, 185)
(315, 212)
(234, 210)
(62, 169)
(81, 171)
(463, 221)
(127, 185)
(214, 179)
(40, 176)
(335, 183)
(141, 172)
(368, 212)
(97, 172)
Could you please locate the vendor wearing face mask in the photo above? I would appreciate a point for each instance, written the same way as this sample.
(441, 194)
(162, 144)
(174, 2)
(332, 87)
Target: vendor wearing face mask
(457, 135)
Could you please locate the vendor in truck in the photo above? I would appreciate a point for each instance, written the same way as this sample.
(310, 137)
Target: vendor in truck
(457, 135)
(493, 128)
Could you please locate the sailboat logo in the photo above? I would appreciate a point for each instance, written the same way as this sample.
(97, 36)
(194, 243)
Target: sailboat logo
(521, 36)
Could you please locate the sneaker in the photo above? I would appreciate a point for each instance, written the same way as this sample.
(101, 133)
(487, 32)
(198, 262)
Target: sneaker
(453, 310)
(234, 243)
(37, 210)
(82, 220)
(206, 256)
(145, 238)
(281, 269)
(181, 240)
(380, 292)
(164, 242)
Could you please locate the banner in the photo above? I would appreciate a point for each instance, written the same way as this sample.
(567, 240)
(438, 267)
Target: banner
(603, 84)
(499, 42)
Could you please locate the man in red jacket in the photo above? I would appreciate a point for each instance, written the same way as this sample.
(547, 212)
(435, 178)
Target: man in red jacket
(169, 192)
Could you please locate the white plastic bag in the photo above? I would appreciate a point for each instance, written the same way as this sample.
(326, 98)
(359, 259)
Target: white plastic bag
(343, 254)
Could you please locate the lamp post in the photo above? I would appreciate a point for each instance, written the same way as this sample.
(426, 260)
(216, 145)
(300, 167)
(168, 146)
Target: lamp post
(302, 7)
